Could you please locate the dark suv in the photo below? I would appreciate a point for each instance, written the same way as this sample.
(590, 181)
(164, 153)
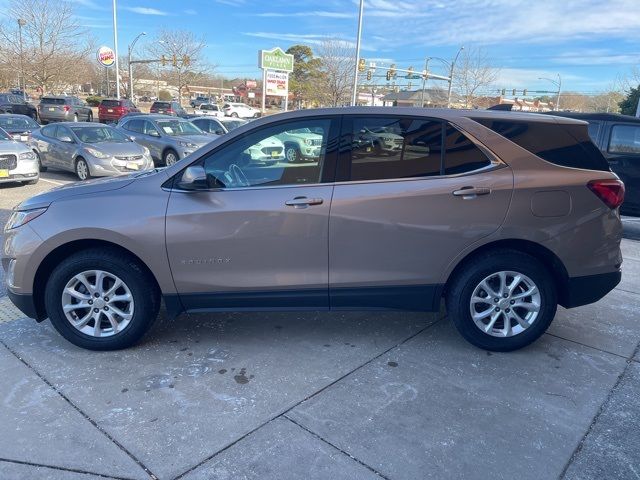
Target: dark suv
(618, 138)
(168, 108)
(11, 103)
(111, 110)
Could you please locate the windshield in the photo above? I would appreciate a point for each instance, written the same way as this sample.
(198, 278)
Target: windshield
(4, 136)
(17, 123)
(175, 128)
(99, 134)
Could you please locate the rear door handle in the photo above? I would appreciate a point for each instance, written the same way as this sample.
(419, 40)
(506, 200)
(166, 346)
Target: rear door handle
(303, 202)
(471, 192)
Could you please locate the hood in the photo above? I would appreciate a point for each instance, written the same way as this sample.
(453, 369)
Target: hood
(12, 147)
(269, 142)
(200, 140)
(79, 188)
(306, 136)
(120, 149)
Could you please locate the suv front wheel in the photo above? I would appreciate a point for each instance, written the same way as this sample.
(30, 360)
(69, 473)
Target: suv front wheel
(502, 300)
(101, 300)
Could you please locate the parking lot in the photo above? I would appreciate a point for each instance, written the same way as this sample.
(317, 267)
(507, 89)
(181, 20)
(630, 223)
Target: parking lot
(324, 395)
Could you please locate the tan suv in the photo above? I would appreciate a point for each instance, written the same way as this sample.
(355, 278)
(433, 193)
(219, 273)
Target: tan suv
(502, 219)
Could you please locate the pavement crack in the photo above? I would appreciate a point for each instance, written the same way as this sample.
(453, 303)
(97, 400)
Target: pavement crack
(590, 346)
(151, 475)
(63, 469)
(368, 467)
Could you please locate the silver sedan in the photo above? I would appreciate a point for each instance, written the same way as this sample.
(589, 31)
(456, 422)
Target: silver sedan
(89, 150)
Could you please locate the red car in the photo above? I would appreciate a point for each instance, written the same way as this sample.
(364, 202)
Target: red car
(111, 110)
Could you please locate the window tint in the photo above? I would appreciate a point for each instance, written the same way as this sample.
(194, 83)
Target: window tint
(63, 132)
(625, 139)
(563, 144)
(134, 126)
(392, 147)
(149, 128)
(52, 101)
(594, 130)
(260, 158)
(461, 155)
(110, 103)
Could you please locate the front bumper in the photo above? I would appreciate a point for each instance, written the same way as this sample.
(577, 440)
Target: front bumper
(25, 170)
(589, 289)
(104, 167)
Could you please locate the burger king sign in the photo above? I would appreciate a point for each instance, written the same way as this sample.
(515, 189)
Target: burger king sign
(106, 56)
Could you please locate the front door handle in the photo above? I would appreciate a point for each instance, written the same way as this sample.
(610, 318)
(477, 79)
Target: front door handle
(471, 192)
(303, 202)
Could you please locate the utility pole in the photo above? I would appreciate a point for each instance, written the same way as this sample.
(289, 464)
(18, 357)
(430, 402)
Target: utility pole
(424, 80)
(354, 97)
(115, 45)
(557, 84)
(453, 64)
(22, 23)
(133, 44)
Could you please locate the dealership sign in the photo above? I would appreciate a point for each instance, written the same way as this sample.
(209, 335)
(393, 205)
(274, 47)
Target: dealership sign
(277, 83)
(275, 59)
(106, 56)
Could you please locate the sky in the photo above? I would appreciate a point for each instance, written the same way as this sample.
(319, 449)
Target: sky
(589, 43)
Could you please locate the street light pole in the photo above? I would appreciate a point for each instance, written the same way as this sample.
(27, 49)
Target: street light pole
(424, 80)
(557, 84)
(453, 64)
(115, 48)
(133, 44)
(354, 97)
(22, 23)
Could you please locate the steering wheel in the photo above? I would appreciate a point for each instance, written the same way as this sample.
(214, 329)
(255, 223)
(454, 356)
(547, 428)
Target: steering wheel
(239, 176)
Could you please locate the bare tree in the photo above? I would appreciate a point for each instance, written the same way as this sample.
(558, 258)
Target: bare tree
(51, 38)
(337, 67)
(180, 45)
(472, 73)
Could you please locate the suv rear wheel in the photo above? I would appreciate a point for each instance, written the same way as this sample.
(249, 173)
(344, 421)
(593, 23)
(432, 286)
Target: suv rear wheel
(502, 300)
(101, 300)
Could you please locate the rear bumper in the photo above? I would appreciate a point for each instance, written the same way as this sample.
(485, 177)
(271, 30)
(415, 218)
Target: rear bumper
(589, 289)
(25, 303)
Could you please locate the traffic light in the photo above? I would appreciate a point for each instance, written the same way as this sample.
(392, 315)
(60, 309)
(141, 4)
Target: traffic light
(163, 60)
(410, 72)
(175, 60)
(362, 65)
(524, 92)
(392, 69)
(369, 75)
(186, 61)
(504, 91)
(513, 92)
(388, 75)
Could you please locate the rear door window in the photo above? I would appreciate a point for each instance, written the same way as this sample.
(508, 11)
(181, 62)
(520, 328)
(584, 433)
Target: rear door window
(625, 139)
(563, 144)
(134, 126)
(395, 147)
(461, 154)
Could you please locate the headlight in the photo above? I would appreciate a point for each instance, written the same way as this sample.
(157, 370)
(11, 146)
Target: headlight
(27, 156)
(96, 153)
(187, 144)
(146, 151)
(308, 142)
(19, 218)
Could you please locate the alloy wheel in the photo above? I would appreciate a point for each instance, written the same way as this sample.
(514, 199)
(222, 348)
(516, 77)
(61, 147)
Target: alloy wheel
(97, 303)
(505, 304)
(82, 170)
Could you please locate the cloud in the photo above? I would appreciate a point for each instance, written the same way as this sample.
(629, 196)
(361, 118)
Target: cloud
(146, 11)
(529, 78)
(315, 13)
(596, 56)
(190, 11)
(308, 39)
(232, 3)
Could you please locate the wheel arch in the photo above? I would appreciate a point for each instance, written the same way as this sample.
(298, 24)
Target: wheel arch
(546, 257)
(63, 251)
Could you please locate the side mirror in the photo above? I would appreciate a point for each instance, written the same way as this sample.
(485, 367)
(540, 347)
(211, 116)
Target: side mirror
(66, 139)
(193, 178)
(219, 132)
(154, 133)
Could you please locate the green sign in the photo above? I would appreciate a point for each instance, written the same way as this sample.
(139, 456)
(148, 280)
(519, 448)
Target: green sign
(275, 59)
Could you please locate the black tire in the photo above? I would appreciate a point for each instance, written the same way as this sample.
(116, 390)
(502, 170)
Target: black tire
(463, 284)
(166, 157)
(234, 115)
(79, 162)
(145, 296)
(32, 182)
(292, 153)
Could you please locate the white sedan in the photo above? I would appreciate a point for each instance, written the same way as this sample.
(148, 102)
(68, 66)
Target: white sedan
(240, 110)
(18, 163)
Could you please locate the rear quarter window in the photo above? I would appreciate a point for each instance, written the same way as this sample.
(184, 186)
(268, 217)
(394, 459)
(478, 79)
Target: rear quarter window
(567, 145)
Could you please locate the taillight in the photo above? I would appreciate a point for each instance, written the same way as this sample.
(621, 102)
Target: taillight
(610, 191)
(67, 108)
(170, 111)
